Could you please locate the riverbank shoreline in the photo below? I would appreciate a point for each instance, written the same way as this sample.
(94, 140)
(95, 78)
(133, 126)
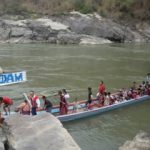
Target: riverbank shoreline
(71, 28)
(35, 132)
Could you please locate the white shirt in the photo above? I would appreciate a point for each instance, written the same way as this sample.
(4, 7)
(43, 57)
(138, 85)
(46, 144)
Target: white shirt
(67, 96)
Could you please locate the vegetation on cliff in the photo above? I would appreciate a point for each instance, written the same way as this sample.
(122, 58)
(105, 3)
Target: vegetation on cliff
(134, 9)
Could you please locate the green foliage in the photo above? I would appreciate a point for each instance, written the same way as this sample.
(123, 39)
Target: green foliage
(136, 9)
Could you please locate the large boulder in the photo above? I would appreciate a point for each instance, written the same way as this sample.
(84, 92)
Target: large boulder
(140, 142)
(41, 132)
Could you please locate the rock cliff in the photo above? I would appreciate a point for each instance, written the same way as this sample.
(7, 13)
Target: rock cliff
(140, 142)
(41, 132)
(71, 28)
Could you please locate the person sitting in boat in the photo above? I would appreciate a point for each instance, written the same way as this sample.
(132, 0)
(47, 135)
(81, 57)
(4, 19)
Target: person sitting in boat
(47, 104)
(35, 102)
(148, 89)
(101, 99)
(120, 95)
(63, 104)
(111, 98)
(107, 99)
(147, 79)
(7, 102)
(24, 108)
(129, 94)
(76, 105)
(90, 96)
(142, 88)
(134, 94)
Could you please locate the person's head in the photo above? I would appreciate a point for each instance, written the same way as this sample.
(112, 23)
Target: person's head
(108, 93)
(31, 93)
(44, 97)
(25, 101)
(89, 89)
(102, 82)
(64, 91)
(148, 74)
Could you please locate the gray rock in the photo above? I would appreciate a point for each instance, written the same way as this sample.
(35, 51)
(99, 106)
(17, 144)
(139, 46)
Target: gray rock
(5, 33)
(72, 28)
(140, 142)
(68, 38)
(41, 132)
(1, 146)
(20, 32)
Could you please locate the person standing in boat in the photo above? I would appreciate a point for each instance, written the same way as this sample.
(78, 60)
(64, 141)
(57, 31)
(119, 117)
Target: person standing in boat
(101, 88)
(35, 102)
(47, 104)
(90, 96)
(63, 104)
(66, 94)
(7, 102)
(24, 108)
(147, 80)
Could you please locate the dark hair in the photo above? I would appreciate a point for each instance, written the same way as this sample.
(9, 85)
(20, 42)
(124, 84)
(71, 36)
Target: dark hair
(44, 97)
(64, 91)
(1, 98)
(89, 88)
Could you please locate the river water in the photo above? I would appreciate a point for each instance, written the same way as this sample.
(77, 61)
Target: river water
(53, 67)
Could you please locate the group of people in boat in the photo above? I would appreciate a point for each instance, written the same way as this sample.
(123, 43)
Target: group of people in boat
(104, 98)
(32, 102)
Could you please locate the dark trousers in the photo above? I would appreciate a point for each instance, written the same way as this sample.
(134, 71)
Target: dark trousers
(33, 111)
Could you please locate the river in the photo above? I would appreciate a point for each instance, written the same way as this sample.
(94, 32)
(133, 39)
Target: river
(53, 67)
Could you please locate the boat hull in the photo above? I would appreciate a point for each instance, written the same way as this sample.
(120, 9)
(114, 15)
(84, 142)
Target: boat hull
(97, 111)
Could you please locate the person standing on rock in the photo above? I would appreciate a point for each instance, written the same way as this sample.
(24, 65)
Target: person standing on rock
(35, 102)
(24, 108)
(7, 102)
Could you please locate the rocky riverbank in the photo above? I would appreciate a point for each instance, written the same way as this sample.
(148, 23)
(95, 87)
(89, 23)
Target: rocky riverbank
(41, 132)
(71, 28)
(140, 142)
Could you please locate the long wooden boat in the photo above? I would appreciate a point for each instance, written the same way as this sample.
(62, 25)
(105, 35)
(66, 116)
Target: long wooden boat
(84, 113)
(100, 110)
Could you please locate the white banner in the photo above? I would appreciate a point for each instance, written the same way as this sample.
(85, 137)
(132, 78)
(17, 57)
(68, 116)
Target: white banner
(11, 78)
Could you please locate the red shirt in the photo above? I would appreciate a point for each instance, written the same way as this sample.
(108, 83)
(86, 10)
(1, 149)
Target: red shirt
(7, 100)
(33, 101)
(101, 88)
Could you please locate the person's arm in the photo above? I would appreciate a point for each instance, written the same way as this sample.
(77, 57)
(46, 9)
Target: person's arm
(38, 102)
